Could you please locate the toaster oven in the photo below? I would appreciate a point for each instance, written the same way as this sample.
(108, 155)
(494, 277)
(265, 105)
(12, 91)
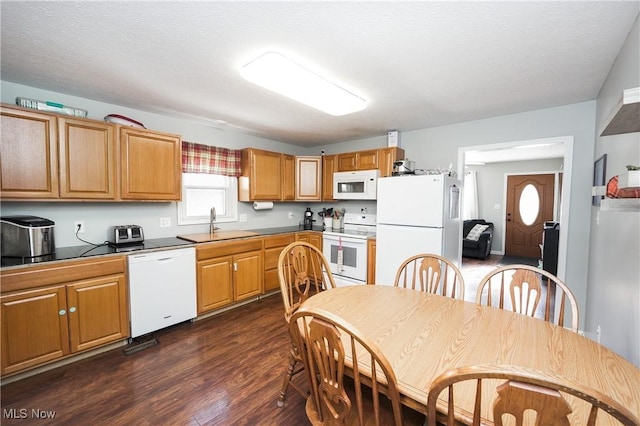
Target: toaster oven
(126, 234)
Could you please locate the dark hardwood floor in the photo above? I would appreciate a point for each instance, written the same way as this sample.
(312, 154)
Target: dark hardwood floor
(224, 370)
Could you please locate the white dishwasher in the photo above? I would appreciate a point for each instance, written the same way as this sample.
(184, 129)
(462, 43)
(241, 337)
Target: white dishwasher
(162, 289)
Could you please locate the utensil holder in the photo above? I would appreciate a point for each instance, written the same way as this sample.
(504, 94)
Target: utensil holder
(337, 224)
(328, 223)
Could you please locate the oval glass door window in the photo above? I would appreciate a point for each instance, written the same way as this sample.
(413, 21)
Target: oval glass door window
(529, 204)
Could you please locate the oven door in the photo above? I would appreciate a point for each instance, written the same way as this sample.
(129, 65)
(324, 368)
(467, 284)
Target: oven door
(347, 257)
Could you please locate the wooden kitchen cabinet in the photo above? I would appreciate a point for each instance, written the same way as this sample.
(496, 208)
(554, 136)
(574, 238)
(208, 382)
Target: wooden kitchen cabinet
(329, 167)
(371, 261)
(151, 165)
(311, 237)
(87, 153)
(273, 246)
(247, 275)
(308, 178)
(359, 160)
(214, 280)
(228, 272)
(57, 157)
(381, 159)
(289, 181)
(261, 175)
(101, 314)
(50, 312)
(33, 331)
(386, 158)
(28, 154)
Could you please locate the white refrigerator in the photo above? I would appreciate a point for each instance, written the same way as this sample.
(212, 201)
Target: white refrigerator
(416, 214)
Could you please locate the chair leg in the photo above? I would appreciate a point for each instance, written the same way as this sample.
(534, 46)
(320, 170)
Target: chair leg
(291, 371)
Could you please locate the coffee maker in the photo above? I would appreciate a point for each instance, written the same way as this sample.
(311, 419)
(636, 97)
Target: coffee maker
(307, 223)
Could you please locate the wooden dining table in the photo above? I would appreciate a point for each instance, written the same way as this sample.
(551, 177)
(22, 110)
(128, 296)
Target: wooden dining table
(423, 335)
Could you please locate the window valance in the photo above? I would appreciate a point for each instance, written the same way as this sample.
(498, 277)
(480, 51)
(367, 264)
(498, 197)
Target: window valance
(199, 158)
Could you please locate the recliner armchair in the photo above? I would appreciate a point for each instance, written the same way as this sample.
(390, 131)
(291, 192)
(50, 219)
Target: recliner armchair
(481, 248)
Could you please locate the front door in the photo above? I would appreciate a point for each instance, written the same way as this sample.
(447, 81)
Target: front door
(529, 205)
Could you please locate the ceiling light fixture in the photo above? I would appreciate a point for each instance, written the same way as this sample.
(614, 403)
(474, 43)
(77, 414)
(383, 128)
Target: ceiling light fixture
(280, 74)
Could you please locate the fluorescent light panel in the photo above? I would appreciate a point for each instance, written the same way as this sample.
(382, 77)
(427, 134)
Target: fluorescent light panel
(280, 74)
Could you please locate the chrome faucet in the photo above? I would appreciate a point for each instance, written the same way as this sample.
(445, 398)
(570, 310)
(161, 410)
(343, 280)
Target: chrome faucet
(212, 219)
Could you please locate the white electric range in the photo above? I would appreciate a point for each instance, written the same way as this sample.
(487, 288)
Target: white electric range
(346, 249)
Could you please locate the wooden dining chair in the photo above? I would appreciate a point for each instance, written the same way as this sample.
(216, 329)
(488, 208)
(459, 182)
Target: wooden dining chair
(352, 382)
(431, 273)
(527, 396)
(526, 286)
(303, 271)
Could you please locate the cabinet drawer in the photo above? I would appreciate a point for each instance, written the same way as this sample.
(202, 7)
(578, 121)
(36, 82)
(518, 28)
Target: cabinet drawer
(271, 257)
(209, 250)
(279, 240)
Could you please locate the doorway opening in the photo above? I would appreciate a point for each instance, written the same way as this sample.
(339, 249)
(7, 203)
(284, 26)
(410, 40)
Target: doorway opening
(519, 151)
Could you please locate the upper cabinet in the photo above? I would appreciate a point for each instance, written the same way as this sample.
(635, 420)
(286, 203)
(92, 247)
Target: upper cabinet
(381, 159)
(28, 154)
(261, 175)
(87, 161)
(386, 158)
(625, 118)
(359, 160)
(329, 167)
(308, 178)
(288, 177)
(151, 165)
(46, 156)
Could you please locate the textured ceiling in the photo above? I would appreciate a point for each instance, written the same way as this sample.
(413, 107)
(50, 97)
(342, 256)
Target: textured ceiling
(419, 64)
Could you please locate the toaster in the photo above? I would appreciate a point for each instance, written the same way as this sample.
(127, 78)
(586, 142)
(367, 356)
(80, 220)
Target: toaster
(26, 236)
(126, 234)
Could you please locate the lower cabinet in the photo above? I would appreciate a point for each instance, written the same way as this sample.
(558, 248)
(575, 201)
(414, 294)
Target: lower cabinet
(50, 322)
(371, 261)
(273, 246)
(228, 272)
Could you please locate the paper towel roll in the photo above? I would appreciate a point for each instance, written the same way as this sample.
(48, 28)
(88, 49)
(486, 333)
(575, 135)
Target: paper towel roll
(262, 205)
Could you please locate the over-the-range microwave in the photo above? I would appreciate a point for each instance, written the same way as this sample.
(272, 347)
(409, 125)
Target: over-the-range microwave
(359, 185)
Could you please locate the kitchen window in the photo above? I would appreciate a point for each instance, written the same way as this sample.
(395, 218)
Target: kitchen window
(201, 191)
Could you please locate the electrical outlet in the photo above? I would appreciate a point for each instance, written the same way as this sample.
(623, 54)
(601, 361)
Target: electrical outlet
(78, 227)
(165, 222)
(598, 332)
(290, 215)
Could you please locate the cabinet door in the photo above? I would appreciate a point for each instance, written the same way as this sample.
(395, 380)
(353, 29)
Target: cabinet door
(28, 155)
(289, 186)
(315, 238)
(273, 246)
(347, 162)
(308, 178)
(386, 158)
(214, 283)
(151, 165)
(34, 328)
(247, 275)
(371, 261)
(329, 166)
(367, 160)
(264, 172)
(97, 312)
(87, 159)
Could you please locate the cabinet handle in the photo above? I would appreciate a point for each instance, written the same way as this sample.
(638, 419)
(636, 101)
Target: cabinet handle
(235, 266)
(72, 309)
(61, 312)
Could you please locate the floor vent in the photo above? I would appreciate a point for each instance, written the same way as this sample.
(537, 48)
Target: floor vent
(140, 343)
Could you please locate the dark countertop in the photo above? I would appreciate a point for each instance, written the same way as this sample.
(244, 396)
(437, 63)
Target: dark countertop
(77, 252)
